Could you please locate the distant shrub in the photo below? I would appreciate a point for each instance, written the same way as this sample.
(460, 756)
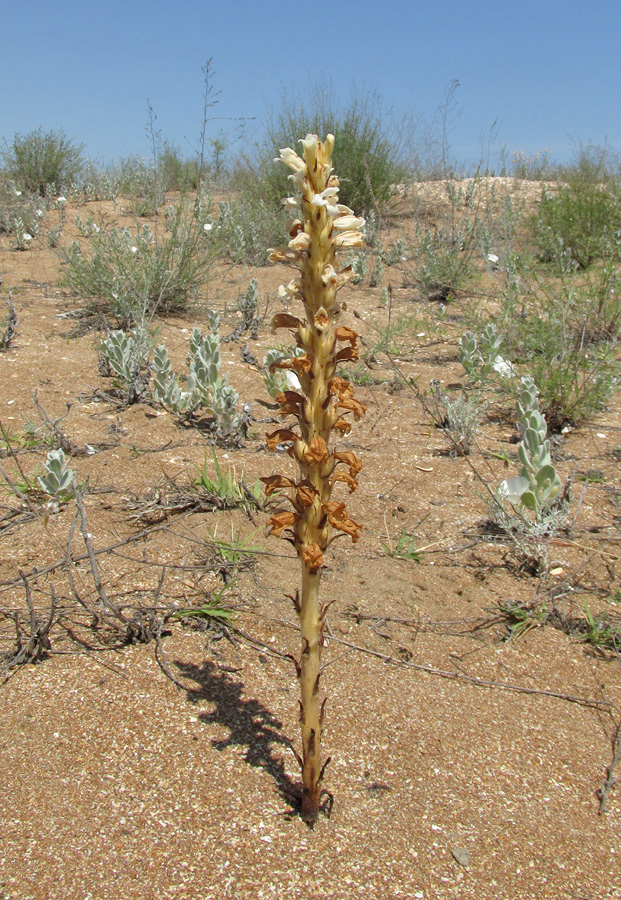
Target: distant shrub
(246, 226)
(366, 154)
(40, 162)
(585, 212)
(133, 275)
(562, 332)
(20, 214)
(444, 254)
(532, 168)
(145, 181)
(460, 418)
(582, 215)
(97, 183)
(177, 173)
(139, 181)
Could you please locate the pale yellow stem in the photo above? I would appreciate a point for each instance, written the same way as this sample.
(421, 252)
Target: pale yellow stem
(310, 715)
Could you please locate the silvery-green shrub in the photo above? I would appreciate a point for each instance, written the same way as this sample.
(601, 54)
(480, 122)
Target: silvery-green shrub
(126, 357)
(57, 481)
(538, 487)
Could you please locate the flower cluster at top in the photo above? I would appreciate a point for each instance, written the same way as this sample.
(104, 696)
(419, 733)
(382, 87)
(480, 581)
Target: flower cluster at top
(319, 226)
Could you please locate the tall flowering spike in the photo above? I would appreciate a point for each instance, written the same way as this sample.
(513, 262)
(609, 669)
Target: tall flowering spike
(324, 404)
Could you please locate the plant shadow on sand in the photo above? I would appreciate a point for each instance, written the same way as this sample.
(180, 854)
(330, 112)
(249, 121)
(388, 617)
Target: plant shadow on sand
(251, 725)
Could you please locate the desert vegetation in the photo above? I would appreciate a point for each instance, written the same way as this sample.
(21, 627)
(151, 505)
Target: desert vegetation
(155, 423)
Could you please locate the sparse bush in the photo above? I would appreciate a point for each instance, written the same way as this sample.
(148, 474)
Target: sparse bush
(19, 214)
(480, 354)
(246, 226)
(97, 183)
(562, 331)
(39, 160)
(445, 253)
(538, 486)
(177, 173)
(445, 263)
(582, 215)
(378, 273)
(396, 253)
(246, 306)
(461, 419)
(134, 276)
(358, 263)
(537, 167)
(366, 152)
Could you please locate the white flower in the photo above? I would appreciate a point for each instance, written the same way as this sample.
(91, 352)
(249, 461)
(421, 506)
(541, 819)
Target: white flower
(39, 212)
(348, 223)
(134, 249)
(491, 257)
(324, 198)
(26, 236)
(291, 290)
(301, 241)
(503, 367)
(299, 179)
(61, 200)
(291, 159)
(349, 239)
(207, 226)
(292, 380)
(310, 149)
(18, 193)
(291, 204)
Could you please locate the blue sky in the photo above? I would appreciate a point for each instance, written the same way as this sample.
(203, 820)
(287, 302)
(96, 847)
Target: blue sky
(547, 71)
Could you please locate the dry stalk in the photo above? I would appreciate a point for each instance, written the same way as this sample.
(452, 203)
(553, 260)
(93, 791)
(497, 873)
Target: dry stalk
(319, 226)
(610, 781)
(36, 646)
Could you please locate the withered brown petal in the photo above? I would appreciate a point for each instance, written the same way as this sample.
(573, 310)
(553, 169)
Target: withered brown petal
(346, 477)
(346, 334)
(275, 483)
(342, 425)
(341, 386)
(285, 320)
(301, 364)
(277, 437)
(313, 557)
(290, 402)
(350, 459)
(338, 518)
(316, 450)
(282, 520)
(305, 494)
(354, 405)
(289, 397)
(347, 353)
